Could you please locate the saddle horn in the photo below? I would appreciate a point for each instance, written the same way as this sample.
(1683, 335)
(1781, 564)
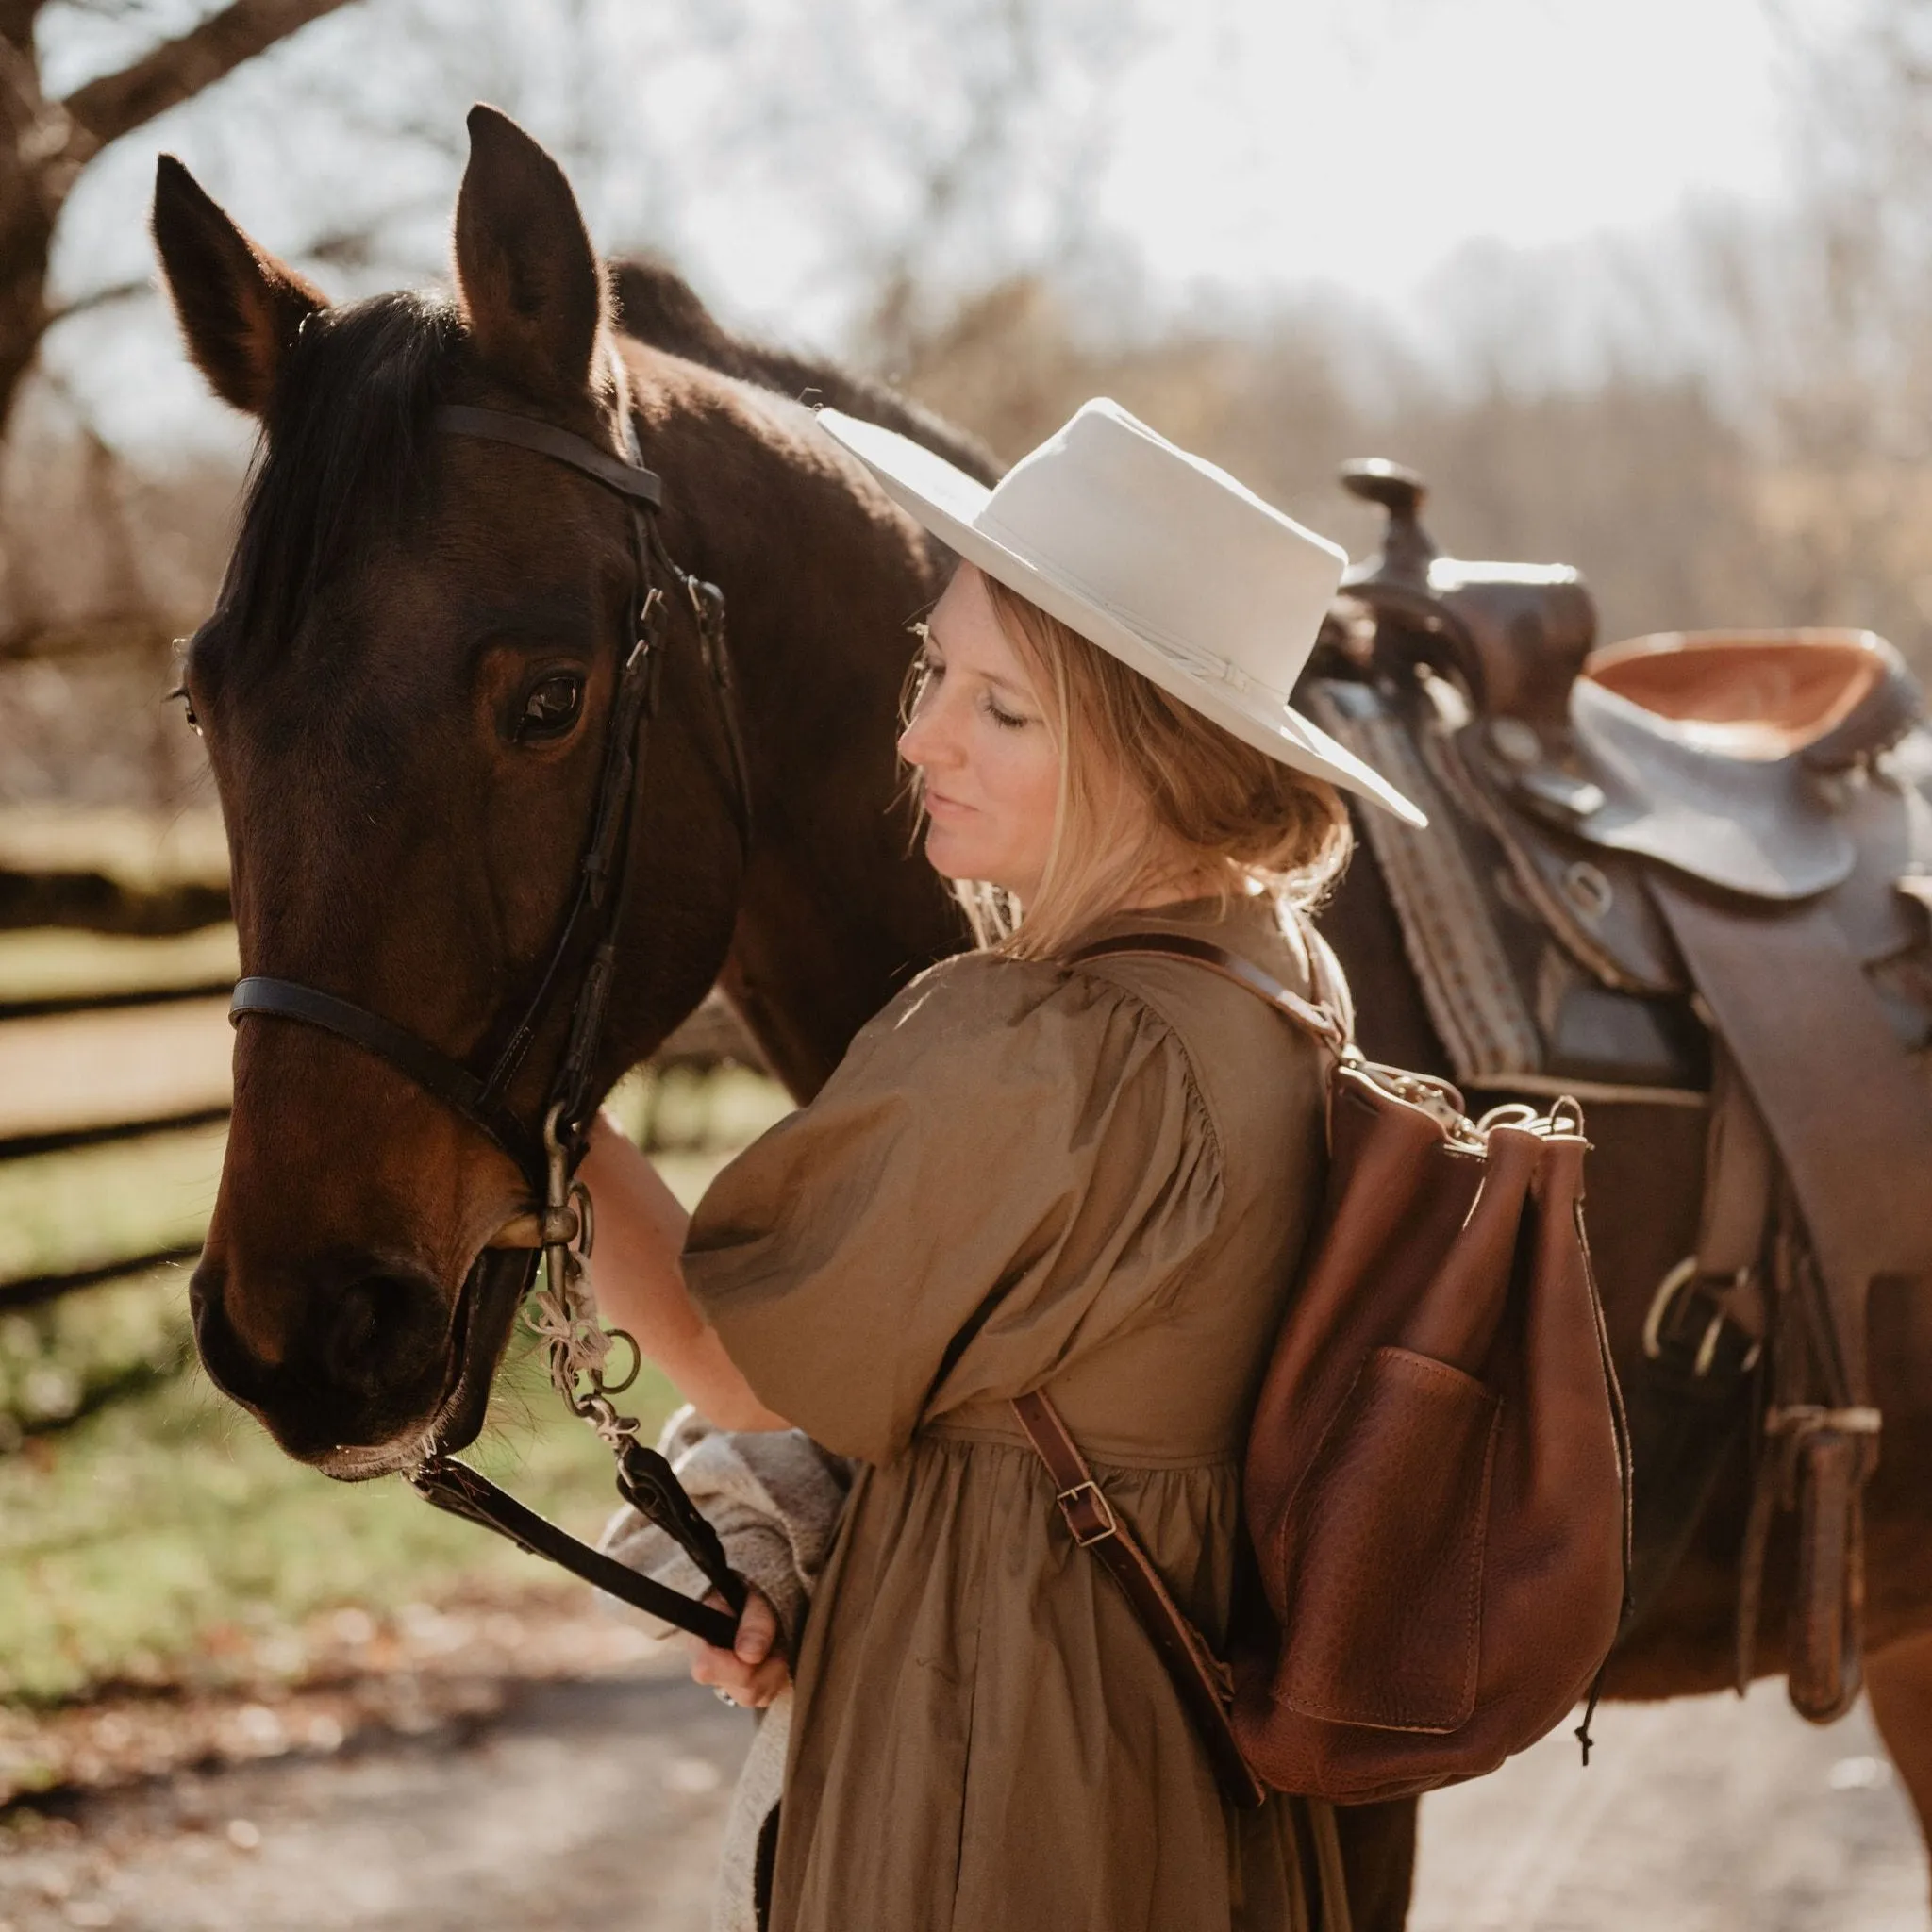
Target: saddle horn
(1514, 635)
(1407, 549)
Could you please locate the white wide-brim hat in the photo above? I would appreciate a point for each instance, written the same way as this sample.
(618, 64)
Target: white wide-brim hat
(1179, 570)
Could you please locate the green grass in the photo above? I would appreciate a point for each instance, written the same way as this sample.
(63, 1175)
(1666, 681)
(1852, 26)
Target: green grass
(62, 1360)
(134, 1540)
(83, 1209)
(134, 1537)
(99, 1203)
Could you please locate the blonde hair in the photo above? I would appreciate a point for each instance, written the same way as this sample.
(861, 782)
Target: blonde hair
(1151, 792)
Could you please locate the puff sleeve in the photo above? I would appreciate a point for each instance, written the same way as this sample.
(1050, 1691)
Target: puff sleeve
(1012, 1163)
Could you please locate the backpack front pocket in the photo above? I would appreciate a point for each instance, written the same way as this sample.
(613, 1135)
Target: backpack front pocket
(1382, 1552)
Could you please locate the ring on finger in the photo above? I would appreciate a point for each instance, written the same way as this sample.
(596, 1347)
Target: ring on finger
(724, 1696)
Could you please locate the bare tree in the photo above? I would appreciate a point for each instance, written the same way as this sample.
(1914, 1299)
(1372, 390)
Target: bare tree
(45, 144)
(1828, 306)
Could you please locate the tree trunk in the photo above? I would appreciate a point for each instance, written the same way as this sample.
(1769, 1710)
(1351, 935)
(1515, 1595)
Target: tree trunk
(25, 237)
(45, 144)
(34, 178)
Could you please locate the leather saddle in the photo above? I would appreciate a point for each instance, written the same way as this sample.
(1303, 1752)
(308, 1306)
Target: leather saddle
(1755, 809)
(1693, 868)
(1757, 770)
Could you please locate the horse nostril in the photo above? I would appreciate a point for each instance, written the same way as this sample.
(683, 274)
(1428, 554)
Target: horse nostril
(380, 1334)
(228, 1364)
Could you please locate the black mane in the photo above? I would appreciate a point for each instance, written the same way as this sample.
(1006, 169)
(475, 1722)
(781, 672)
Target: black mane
(339, 448)
(343, 439)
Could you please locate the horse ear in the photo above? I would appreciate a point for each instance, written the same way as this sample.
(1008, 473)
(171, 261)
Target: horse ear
(532, 288)
(240, 308)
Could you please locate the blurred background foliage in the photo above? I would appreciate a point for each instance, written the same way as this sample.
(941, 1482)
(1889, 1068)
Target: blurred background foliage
(1724, 418)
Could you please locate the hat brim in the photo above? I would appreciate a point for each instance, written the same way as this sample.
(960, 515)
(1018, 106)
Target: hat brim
(946, 501)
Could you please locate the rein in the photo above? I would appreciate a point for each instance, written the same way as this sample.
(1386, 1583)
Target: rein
(563, 1312)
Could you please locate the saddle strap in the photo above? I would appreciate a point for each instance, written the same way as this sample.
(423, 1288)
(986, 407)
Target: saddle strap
(1825, 1665)
(1847, 1115)
(1740, 1182)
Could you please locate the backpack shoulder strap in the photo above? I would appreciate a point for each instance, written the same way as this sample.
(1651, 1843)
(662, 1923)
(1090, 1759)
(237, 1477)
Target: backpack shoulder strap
(1328, 1017)
(1201, 1679)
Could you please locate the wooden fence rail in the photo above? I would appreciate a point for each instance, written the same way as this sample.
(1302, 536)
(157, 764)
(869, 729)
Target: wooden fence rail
(32, 1290)
(96, 901)
(55, 1005)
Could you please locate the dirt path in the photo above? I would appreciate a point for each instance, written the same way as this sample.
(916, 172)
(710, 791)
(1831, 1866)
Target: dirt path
(589, 1805)
(598, 1805)
(1705, 1815)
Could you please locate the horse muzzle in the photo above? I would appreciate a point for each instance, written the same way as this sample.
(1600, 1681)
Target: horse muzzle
(378, 1365)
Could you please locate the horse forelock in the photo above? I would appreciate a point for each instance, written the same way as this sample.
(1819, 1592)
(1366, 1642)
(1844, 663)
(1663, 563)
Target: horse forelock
(341, 449)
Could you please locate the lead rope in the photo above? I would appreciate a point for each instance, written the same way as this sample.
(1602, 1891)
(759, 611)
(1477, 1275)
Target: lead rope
(562, 1311)
(577, 1348)
(563, 1314)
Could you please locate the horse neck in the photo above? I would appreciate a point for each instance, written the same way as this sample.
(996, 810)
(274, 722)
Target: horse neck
(837, 909)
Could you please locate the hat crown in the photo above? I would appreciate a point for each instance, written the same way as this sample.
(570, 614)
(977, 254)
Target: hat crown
(1159, 559)
(1175, 547)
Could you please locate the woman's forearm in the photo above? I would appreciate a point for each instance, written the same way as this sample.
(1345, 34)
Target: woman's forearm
(637, 1272)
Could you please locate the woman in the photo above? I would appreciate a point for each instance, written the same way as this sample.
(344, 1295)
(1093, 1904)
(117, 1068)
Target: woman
(1027, 1175)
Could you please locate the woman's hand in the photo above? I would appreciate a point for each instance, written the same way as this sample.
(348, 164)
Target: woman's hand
(751, 1672)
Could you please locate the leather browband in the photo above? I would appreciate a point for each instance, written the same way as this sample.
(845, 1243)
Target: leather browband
(499, 425)
(447, 1079)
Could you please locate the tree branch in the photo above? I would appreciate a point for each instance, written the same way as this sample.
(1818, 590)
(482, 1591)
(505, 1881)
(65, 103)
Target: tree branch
(339, 248)
(116, 103)
(103, 297)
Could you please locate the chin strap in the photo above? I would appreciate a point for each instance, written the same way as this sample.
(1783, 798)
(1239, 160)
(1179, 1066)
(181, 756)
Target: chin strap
(577, 1349)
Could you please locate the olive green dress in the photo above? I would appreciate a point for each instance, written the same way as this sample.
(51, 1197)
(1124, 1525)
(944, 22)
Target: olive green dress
(1095, 1180)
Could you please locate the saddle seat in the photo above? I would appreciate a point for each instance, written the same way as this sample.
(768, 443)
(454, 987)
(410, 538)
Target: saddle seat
(1731, 757)
(1756, 694)
(1530, 905)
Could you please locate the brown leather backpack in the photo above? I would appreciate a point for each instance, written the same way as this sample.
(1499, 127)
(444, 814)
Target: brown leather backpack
(1438, 1473)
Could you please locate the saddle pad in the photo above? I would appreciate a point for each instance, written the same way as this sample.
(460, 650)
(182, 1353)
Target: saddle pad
(1516, 1009)
(1467, 981)
(1750, 825)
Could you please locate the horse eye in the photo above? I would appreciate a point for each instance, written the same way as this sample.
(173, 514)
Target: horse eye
(551, 709)
(180, 694)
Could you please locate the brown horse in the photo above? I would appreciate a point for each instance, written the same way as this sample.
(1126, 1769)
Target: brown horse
(405, 690)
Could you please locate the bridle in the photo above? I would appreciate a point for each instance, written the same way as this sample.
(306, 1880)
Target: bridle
(602, 886)
(564, 1313)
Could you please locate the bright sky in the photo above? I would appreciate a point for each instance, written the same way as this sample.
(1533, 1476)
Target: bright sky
(1359, 142)
(1253, 146)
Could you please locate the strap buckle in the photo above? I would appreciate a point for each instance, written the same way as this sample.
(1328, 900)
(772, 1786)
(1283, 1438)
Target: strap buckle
(1681, 1297)
(1089, 1514)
